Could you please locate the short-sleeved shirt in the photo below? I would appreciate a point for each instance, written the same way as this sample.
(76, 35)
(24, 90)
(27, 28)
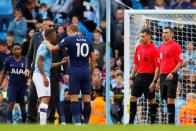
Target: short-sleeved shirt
(170, 55)
(16, 71)
(47, 56)
(79, 49)
(146, 57)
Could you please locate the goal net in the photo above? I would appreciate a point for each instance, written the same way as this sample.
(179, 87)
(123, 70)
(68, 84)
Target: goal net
(184, 24)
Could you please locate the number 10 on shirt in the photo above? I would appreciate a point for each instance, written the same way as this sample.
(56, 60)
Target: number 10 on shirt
(82, 49)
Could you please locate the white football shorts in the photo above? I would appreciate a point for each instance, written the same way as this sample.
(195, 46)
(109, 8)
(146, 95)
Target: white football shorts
(42, 90)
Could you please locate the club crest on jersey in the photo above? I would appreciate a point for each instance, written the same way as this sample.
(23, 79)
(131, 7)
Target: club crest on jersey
(168, 55)
(17, 71)
(145, 59)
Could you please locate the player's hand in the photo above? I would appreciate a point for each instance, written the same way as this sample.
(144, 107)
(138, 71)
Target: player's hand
(152, 87)
(65, 59)
(131, 83)
(27, 72)
(46, 82)
(132, 79)
(66, 78)
(169, 76)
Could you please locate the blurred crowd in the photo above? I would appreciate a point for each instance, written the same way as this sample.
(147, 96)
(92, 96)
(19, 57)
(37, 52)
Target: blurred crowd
(20, 19)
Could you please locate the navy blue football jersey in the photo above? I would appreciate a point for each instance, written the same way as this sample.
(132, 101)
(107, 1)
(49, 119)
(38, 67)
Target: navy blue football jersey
(79, 49)
(16, 71)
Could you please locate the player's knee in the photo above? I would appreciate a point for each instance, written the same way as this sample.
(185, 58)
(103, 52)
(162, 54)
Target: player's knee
(170, 100)
(151, 101)
(10, 106)
(74, 98)
(86, 98)
(45, 100)
(133, 98)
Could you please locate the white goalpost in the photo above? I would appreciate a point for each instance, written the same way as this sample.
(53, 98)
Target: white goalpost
(184, 24)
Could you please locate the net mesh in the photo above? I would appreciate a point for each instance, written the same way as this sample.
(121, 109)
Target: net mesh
(185, 33)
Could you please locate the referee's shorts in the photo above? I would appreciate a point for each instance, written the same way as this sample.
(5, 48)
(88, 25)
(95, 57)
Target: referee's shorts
(168, 88)
(141, 85)
(42, 90)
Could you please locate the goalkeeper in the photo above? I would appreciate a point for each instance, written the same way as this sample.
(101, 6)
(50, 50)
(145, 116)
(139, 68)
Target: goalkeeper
(146, 66)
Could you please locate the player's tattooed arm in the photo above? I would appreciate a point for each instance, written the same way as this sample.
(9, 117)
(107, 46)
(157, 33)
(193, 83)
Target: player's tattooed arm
(40, 66)
(52, 47)
(64, 60)
(4, 72)
(41, 69)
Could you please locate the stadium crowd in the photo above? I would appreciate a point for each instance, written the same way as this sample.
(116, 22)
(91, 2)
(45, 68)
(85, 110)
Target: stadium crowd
(20, 20)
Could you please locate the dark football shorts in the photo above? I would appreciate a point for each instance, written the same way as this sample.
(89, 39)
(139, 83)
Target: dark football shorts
(80, 82)
(16, 94)
(141, 85)
(168, 87)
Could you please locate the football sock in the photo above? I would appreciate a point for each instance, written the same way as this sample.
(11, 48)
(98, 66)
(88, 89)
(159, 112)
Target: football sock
(153, 111)
(24, 116)
(171, 113)
(43, 113)
(9, 117)
(133, 109)
(75, 110)
(86, 111)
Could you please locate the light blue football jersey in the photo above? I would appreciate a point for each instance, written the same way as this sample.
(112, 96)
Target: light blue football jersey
(47, 56)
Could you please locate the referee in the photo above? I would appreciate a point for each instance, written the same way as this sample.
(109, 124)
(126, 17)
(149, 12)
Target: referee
(170, 54)
(146, 66)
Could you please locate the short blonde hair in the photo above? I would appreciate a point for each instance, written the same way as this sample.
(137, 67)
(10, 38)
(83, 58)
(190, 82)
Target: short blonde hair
(73, 28)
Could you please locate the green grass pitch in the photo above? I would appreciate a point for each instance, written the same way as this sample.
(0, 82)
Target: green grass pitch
(96, 128)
